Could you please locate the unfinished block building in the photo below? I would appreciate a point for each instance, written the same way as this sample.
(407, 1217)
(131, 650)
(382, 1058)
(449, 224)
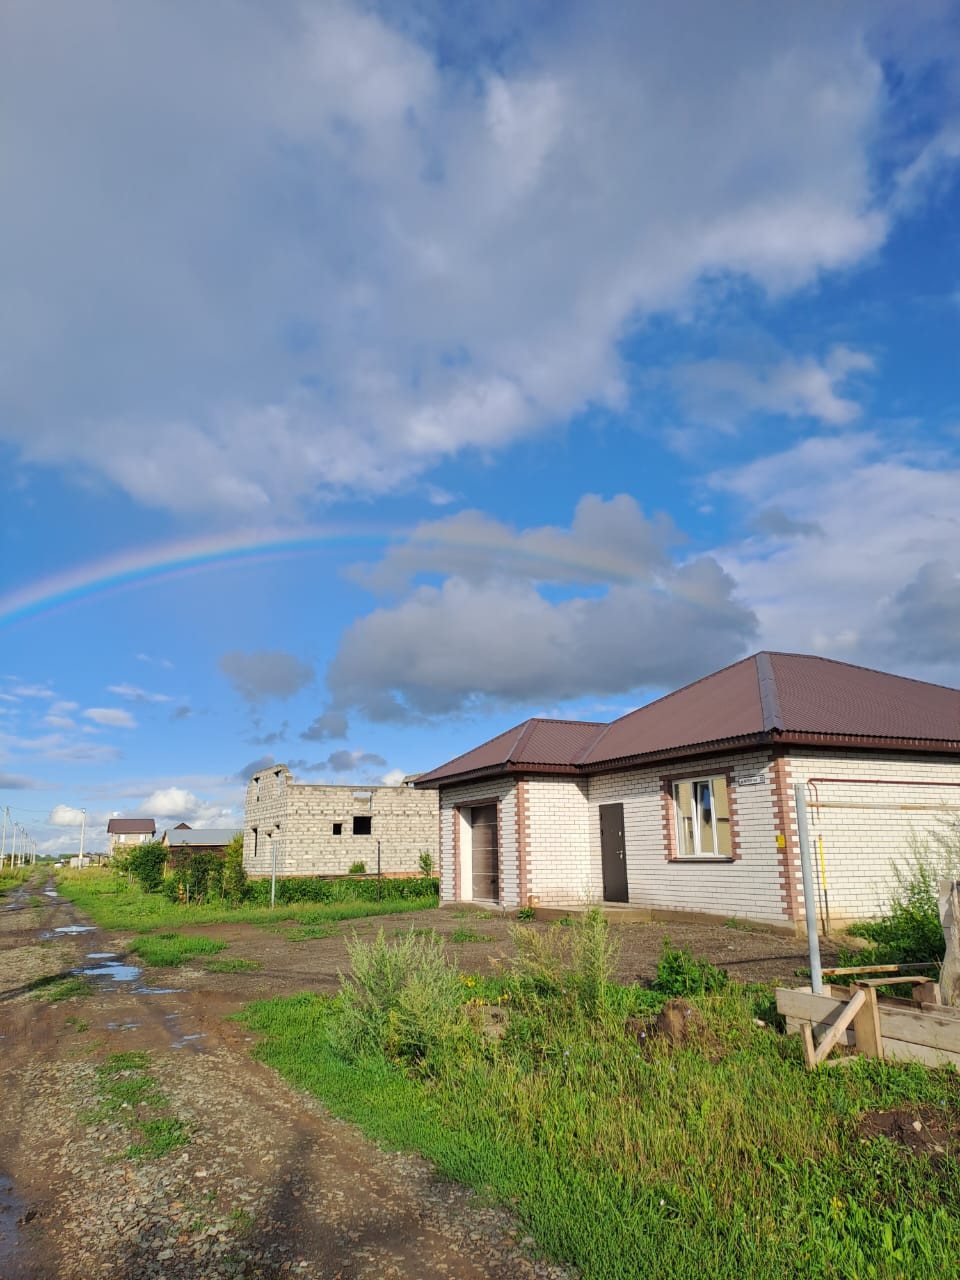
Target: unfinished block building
(311, 829)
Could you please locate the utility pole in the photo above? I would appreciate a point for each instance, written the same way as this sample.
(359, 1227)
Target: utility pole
(83, 824)
(13, 847)
(3, 840)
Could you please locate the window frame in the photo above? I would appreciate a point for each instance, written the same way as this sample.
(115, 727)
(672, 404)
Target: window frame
(698, 853)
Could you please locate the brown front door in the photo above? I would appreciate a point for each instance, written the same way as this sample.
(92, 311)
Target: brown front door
(613, 853)
(486, 852)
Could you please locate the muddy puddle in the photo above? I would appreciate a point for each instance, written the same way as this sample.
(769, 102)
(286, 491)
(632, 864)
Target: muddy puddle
(115, 970)
(75, 928)
(12, 1211)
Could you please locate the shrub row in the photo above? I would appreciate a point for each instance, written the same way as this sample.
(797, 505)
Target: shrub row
(321, 889)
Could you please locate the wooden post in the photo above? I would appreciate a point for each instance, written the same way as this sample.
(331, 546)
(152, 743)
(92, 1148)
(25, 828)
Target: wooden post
(866, 1024)
(835, 1034)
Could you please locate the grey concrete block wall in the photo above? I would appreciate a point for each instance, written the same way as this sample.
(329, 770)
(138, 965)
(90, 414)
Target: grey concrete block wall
(302, 817)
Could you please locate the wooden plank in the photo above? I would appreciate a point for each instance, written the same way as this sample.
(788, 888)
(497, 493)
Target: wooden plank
(893, 982)
(875, 968)
(944, 1010)
(866, 1025)
(919, 1027)
(809, 1048)
(861, 968)
(903, 1051)
(856, 1002)
(799, 1005)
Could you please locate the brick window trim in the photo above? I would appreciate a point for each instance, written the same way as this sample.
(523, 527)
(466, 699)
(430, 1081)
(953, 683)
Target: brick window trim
(669, 817)
(457, 811)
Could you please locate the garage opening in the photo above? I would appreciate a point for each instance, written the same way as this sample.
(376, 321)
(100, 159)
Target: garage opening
(486, 852)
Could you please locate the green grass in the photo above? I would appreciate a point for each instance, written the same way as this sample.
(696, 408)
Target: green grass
(127, 1093)
(14, 877)
(232, 964)
(159, 950)
(628, 1159)
(465, 934)
(114, 904)
(310, 932)
(57, 988)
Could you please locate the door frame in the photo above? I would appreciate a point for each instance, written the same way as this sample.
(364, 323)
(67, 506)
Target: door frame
(462, 823)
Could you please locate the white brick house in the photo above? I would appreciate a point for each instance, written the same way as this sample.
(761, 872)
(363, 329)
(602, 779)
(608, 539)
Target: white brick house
(312, 829)
(687, 805)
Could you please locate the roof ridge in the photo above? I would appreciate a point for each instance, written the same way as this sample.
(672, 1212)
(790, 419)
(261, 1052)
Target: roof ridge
(769, 694)
(663, 698)
(516, 728)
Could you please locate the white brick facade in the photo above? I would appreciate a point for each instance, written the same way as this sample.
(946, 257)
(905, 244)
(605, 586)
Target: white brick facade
(297, 821)
(560, 868)
(863, 807)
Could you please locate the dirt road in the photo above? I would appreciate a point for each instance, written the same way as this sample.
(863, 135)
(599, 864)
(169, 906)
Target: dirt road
(269, 1185)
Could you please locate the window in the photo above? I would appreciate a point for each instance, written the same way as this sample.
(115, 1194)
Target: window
(256, 834)
(257, 781)
(338, 828)
(703, 818)
(362, 824)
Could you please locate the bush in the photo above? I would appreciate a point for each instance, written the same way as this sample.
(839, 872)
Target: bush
(234, 876)
(679, 974)
(146, 862)
(358, 869)
(425, 863)
(575, 962)
(322, 889)
(403, 999)
(911, 932)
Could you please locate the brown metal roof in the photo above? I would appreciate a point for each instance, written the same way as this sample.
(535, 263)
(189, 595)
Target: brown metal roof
(723, 705)
(765, 697)
(131, 826)
(821, 696)
(534, 742)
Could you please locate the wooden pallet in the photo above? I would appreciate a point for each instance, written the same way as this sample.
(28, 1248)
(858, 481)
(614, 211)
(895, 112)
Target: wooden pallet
(917, 1030)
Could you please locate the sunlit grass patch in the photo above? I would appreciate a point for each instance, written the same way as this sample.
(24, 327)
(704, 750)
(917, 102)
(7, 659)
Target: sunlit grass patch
(166, 949)
(621, 1151)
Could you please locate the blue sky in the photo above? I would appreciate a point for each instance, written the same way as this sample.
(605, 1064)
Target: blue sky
(579, 353)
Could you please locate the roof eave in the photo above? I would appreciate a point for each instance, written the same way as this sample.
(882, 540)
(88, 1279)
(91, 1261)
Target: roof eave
(500, 770)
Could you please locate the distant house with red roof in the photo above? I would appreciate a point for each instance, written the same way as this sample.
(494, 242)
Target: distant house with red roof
(687, 804)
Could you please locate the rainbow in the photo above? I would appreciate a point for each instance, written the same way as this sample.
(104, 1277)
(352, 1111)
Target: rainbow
(133, 567)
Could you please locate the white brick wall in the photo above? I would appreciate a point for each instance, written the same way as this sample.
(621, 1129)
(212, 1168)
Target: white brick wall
(559, 866)
(502, 789)
(866, 825)
(300, 817)
(749, 888)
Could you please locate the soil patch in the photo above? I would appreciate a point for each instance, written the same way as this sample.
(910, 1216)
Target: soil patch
(678, 1025)
(919, 1130)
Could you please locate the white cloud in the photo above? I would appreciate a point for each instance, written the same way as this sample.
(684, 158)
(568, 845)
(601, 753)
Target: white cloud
(722, 391)
(394, 778)
(607, 541)
(114, 717)
(345, 211)
(63, 815)
(879, 587)
(170, 805)
(135, 694)
(155, 662)
(462, 645)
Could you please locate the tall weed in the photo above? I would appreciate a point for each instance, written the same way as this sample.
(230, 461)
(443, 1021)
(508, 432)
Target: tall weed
(403, 999)
(910, 932)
